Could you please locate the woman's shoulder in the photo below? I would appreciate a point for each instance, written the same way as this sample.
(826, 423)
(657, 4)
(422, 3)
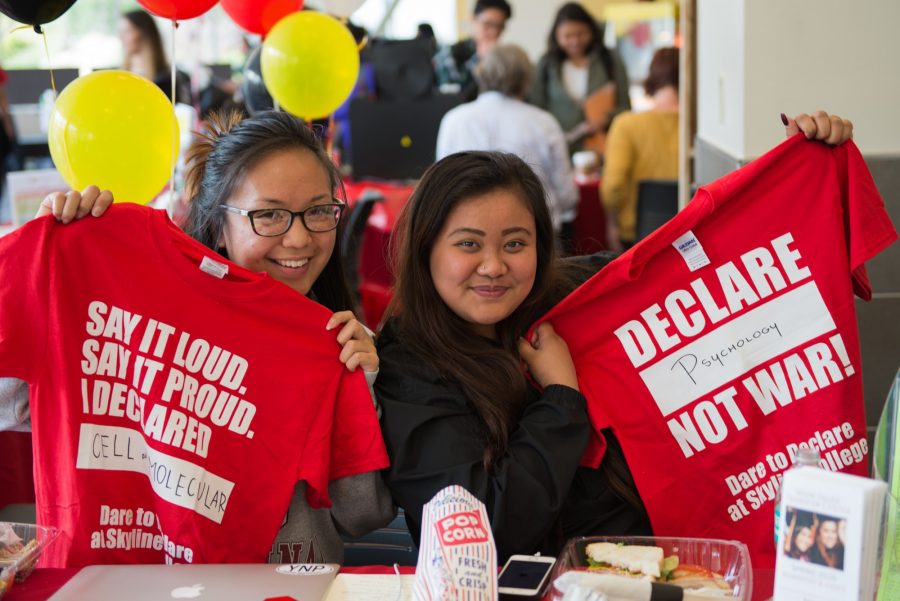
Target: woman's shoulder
(644, 123)
(388, 338)
(581, 267)
(397, 357)
(403, 375)
(546, 62)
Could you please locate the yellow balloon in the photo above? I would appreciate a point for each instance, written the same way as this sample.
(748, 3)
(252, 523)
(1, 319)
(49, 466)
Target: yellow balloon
(309, 64)
(117, 130)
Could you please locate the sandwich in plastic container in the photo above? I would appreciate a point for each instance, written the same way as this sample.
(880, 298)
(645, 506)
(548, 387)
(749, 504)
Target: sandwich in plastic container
(701, 567)
(20, 547)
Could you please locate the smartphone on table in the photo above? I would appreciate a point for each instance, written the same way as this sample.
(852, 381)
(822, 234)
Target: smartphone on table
(525, 577)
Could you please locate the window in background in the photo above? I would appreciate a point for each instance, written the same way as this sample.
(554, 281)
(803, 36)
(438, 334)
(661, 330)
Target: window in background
(636, 31)
(86, 37)
(404, 20)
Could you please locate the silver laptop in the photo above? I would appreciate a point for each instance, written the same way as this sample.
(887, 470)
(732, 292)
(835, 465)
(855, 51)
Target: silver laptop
(202, 582)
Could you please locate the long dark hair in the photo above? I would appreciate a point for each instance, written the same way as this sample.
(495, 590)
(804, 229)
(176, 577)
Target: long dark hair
(489, 372)
(572, 11)
(145, 24)
(219, 159)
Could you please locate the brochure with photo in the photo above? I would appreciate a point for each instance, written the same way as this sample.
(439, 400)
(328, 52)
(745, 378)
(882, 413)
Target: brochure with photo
(28, 188)
(832, 524)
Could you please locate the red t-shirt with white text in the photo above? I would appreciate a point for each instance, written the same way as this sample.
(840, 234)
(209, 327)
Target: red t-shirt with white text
(711, 378)
(172, 411)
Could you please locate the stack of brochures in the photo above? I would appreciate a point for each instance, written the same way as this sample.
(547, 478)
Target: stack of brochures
(832, 524)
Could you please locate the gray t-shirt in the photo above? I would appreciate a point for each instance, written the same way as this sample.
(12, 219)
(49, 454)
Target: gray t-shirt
(14, 412)
(360, 504)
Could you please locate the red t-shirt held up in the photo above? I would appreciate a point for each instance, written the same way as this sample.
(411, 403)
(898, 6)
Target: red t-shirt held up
(173, 411)
(725, 340)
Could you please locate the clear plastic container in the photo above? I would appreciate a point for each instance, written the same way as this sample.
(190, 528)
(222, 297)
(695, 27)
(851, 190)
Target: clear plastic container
(7, 575)
(19, 565)
(729, 558)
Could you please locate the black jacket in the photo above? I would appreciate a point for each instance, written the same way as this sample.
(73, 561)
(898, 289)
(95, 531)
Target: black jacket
(537, 496)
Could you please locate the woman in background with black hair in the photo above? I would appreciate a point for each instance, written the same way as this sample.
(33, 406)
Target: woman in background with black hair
(143, 55)
(576, 65)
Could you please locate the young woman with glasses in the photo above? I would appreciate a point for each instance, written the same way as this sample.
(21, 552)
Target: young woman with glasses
(262, 193)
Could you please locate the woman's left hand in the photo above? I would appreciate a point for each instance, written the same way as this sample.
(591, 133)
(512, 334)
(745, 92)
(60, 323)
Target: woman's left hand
(358, 346)
(831, 129)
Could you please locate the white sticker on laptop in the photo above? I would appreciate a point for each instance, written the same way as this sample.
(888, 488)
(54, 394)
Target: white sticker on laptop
(187, 592)
(305, 569)
(691, 251)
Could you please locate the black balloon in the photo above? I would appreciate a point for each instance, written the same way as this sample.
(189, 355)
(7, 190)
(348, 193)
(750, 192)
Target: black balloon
(34, 12)
(256, 96)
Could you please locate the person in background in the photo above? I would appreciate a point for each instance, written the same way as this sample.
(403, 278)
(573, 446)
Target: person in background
(144, 55)
(641, 146)
(575, 66)
(262, 193)
(500, 119)
(7, 132)
(455, 64)
(365, 87)
(466, 400)
(425, 32)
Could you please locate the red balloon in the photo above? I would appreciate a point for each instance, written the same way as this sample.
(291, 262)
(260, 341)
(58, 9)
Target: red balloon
(177, 10)
(259, 16)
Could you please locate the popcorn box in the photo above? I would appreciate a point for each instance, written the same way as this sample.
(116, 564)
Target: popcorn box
(457, 555)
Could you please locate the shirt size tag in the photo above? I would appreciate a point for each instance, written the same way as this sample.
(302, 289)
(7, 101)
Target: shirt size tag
(213, 268)
(691, 251)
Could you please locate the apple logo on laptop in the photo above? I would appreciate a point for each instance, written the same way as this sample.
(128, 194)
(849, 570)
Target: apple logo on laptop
(187, 592)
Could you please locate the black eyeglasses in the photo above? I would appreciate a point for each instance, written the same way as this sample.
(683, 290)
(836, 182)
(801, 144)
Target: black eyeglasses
(275, 222)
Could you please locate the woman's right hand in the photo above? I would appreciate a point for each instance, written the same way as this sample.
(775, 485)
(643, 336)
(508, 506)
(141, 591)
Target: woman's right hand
(820, 125)
(548, 358)
(66, 206)
(358, 347)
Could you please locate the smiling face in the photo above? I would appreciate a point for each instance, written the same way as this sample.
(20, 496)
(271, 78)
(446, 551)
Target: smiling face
(573, 37)
(287, 179)
(484, 259)
(804, 539)
(828, 534)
